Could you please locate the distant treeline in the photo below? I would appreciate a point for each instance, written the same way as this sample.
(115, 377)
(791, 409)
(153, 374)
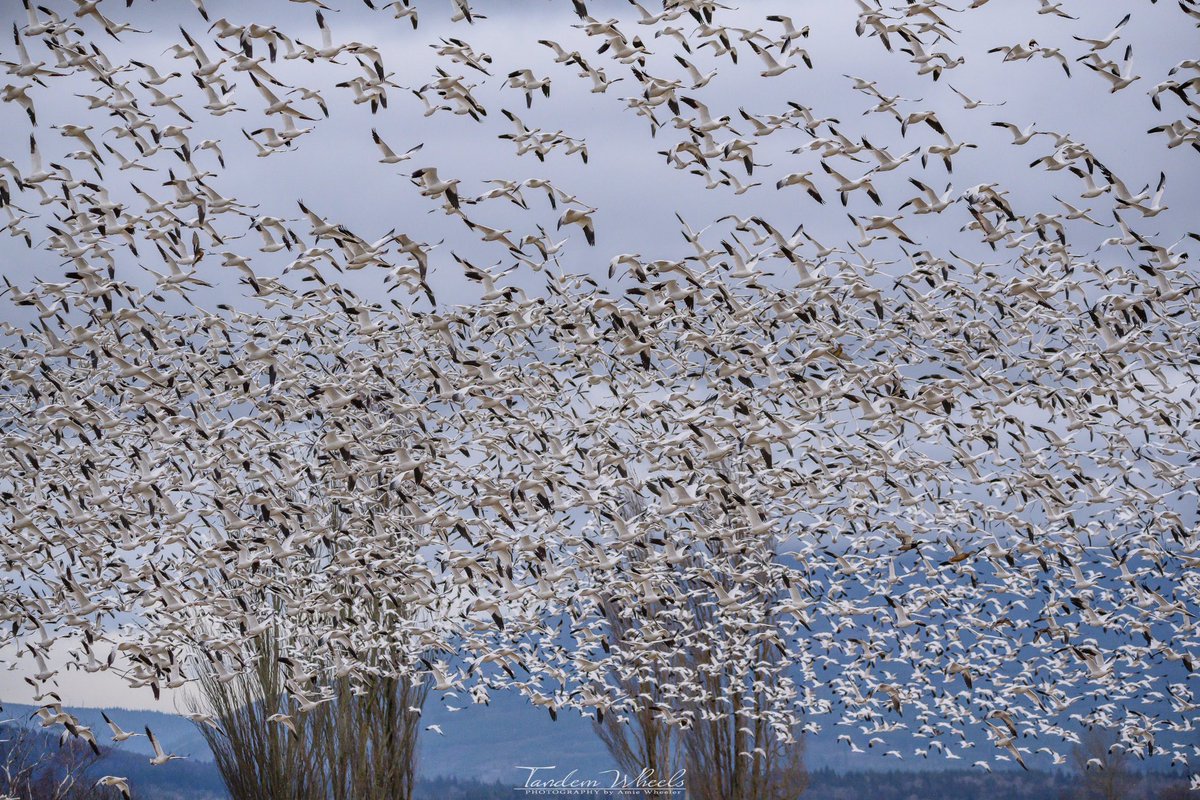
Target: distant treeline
(192, 780)
(975, 784)
(827, 784)
(455, 789)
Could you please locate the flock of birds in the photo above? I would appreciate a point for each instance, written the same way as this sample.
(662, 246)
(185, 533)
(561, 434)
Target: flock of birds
(911, 492)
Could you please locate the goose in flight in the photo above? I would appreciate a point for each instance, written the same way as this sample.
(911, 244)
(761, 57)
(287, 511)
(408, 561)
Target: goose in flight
(1055, 8)
(803, 180)
(582, 218)
(389, 155)
(773, 68)
(1118, 77)
(970, 103)
(116, 782)
(160, 757)
(1149, 207)
(118, 735)
(404, 9)
(846, 186)
(1019, 136)
(1097, 45)
(433, 186)
(26, 68)
(931, 202)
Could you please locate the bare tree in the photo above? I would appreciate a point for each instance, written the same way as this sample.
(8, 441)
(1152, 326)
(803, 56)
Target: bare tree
(368, 738)
(740, 754)
(257, 757)
(359, 742)
(728, 756)
(365, 737)
(641, 740)
(35, 767)
(1104, 767)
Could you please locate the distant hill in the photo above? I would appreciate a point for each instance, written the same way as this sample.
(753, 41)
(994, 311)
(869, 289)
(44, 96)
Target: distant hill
(487, 743)
(181, 780)
(177, 734)
(483, 746)
(482, 742)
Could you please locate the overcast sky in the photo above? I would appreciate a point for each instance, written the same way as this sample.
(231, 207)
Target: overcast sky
(335, 171)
